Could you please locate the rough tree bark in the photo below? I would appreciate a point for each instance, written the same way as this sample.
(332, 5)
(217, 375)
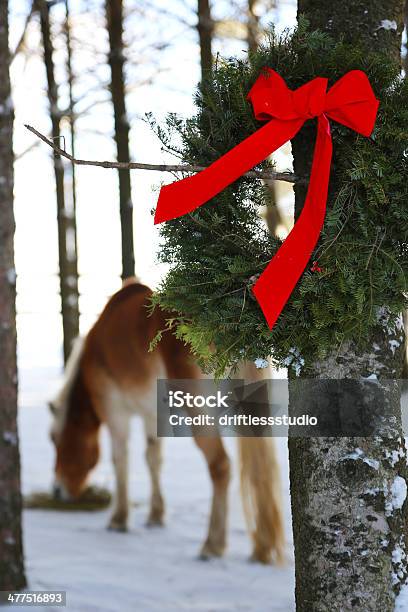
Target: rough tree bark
(11, 550)
(114, 18)
(68, 268)
(405, 368)
(205, 27)
(348, 493)
(406, 41)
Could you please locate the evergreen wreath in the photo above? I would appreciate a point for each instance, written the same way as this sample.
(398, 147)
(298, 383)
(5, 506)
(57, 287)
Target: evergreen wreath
(217, 252)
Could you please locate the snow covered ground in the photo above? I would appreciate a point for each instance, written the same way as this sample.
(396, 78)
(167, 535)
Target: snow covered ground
(145, 570)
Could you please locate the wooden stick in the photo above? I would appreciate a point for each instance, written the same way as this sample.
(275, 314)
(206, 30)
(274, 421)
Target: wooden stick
(267, 174)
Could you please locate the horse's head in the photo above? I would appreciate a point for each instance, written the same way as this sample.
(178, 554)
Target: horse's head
(75, 434)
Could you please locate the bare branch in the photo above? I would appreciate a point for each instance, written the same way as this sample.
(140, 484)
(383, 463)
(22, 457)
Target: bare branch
(18, 156)
(21, 43)
(267, 174)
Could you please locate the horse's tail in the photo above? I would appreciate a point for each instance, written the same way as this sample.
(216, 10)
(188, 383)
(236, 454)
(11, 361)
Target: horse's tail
(260, 490)
(59, 402)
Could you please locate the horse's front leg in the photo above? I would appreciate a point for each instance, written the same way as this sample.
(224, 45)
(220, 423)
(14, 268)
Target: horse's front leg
(118, 425)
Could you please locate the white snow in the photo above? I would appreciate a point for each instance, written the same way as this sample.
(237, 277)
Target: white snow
(261, 363)
(294, 360)
(148, 570)
(398, 554)
(401, 602)
(394, 344)
(358, 453)
(388, 24)
(394, 456)
(371, 376)
(398, 492)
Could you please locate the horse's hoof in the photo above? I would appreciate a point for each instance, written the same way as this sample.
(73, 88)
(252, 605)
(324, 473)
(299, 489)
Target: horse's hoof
(208, 552)
(153, 522)
(118, 527)
(262, 558)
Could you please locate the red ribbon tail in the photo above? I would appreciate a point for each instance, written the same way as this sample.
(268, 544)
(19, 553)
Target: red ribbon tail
(276, 283)
(182, 197)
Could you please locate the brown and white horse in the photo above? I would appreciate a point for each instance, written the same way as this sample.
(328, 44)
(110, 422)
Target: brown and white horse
(110, 376)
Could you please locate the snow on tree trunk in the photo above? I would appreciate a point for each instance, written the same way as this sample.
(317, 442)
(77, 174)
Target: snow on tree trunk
(348, 493)
(114, 18)
(11, 552)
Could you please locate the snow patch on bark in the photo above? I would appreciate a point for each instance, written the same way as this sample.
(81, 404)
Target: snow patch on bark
(394, 456)
(390, 323)
(401, 601)
(359, 454)
(398, 557)
(394, 344)
(398, 554)
(397, 495)
(388, 24)
(295, 361)
(398, 492)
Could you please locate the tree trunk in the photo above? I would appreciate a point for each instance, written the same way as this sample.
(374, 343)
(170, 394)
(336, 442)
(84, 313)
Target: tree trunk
(205, 27)
(406, 41)
(114, 18)
(11, 549)
(405, 369)
(70, 170)
(273, 217)
(252, 26)
(66, 219)
(348, 493)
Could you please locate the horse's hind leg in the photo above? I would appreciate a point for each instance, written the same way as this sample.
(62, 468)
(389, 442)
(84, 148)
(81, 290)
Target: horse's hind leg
(154, 462)
(219, 468)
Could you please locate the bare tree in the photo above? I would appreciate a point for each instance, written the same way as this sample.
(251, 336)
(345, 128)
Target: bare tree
(66, 218)
(273, 217)
(71, 189)
(348, 494)
(253, 26)
(11, 550)
(114, 18)
(205, 27)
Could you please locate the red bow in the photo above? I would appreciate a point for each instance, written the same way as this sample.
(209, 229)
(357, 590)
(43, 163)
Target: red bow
(350, 101)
